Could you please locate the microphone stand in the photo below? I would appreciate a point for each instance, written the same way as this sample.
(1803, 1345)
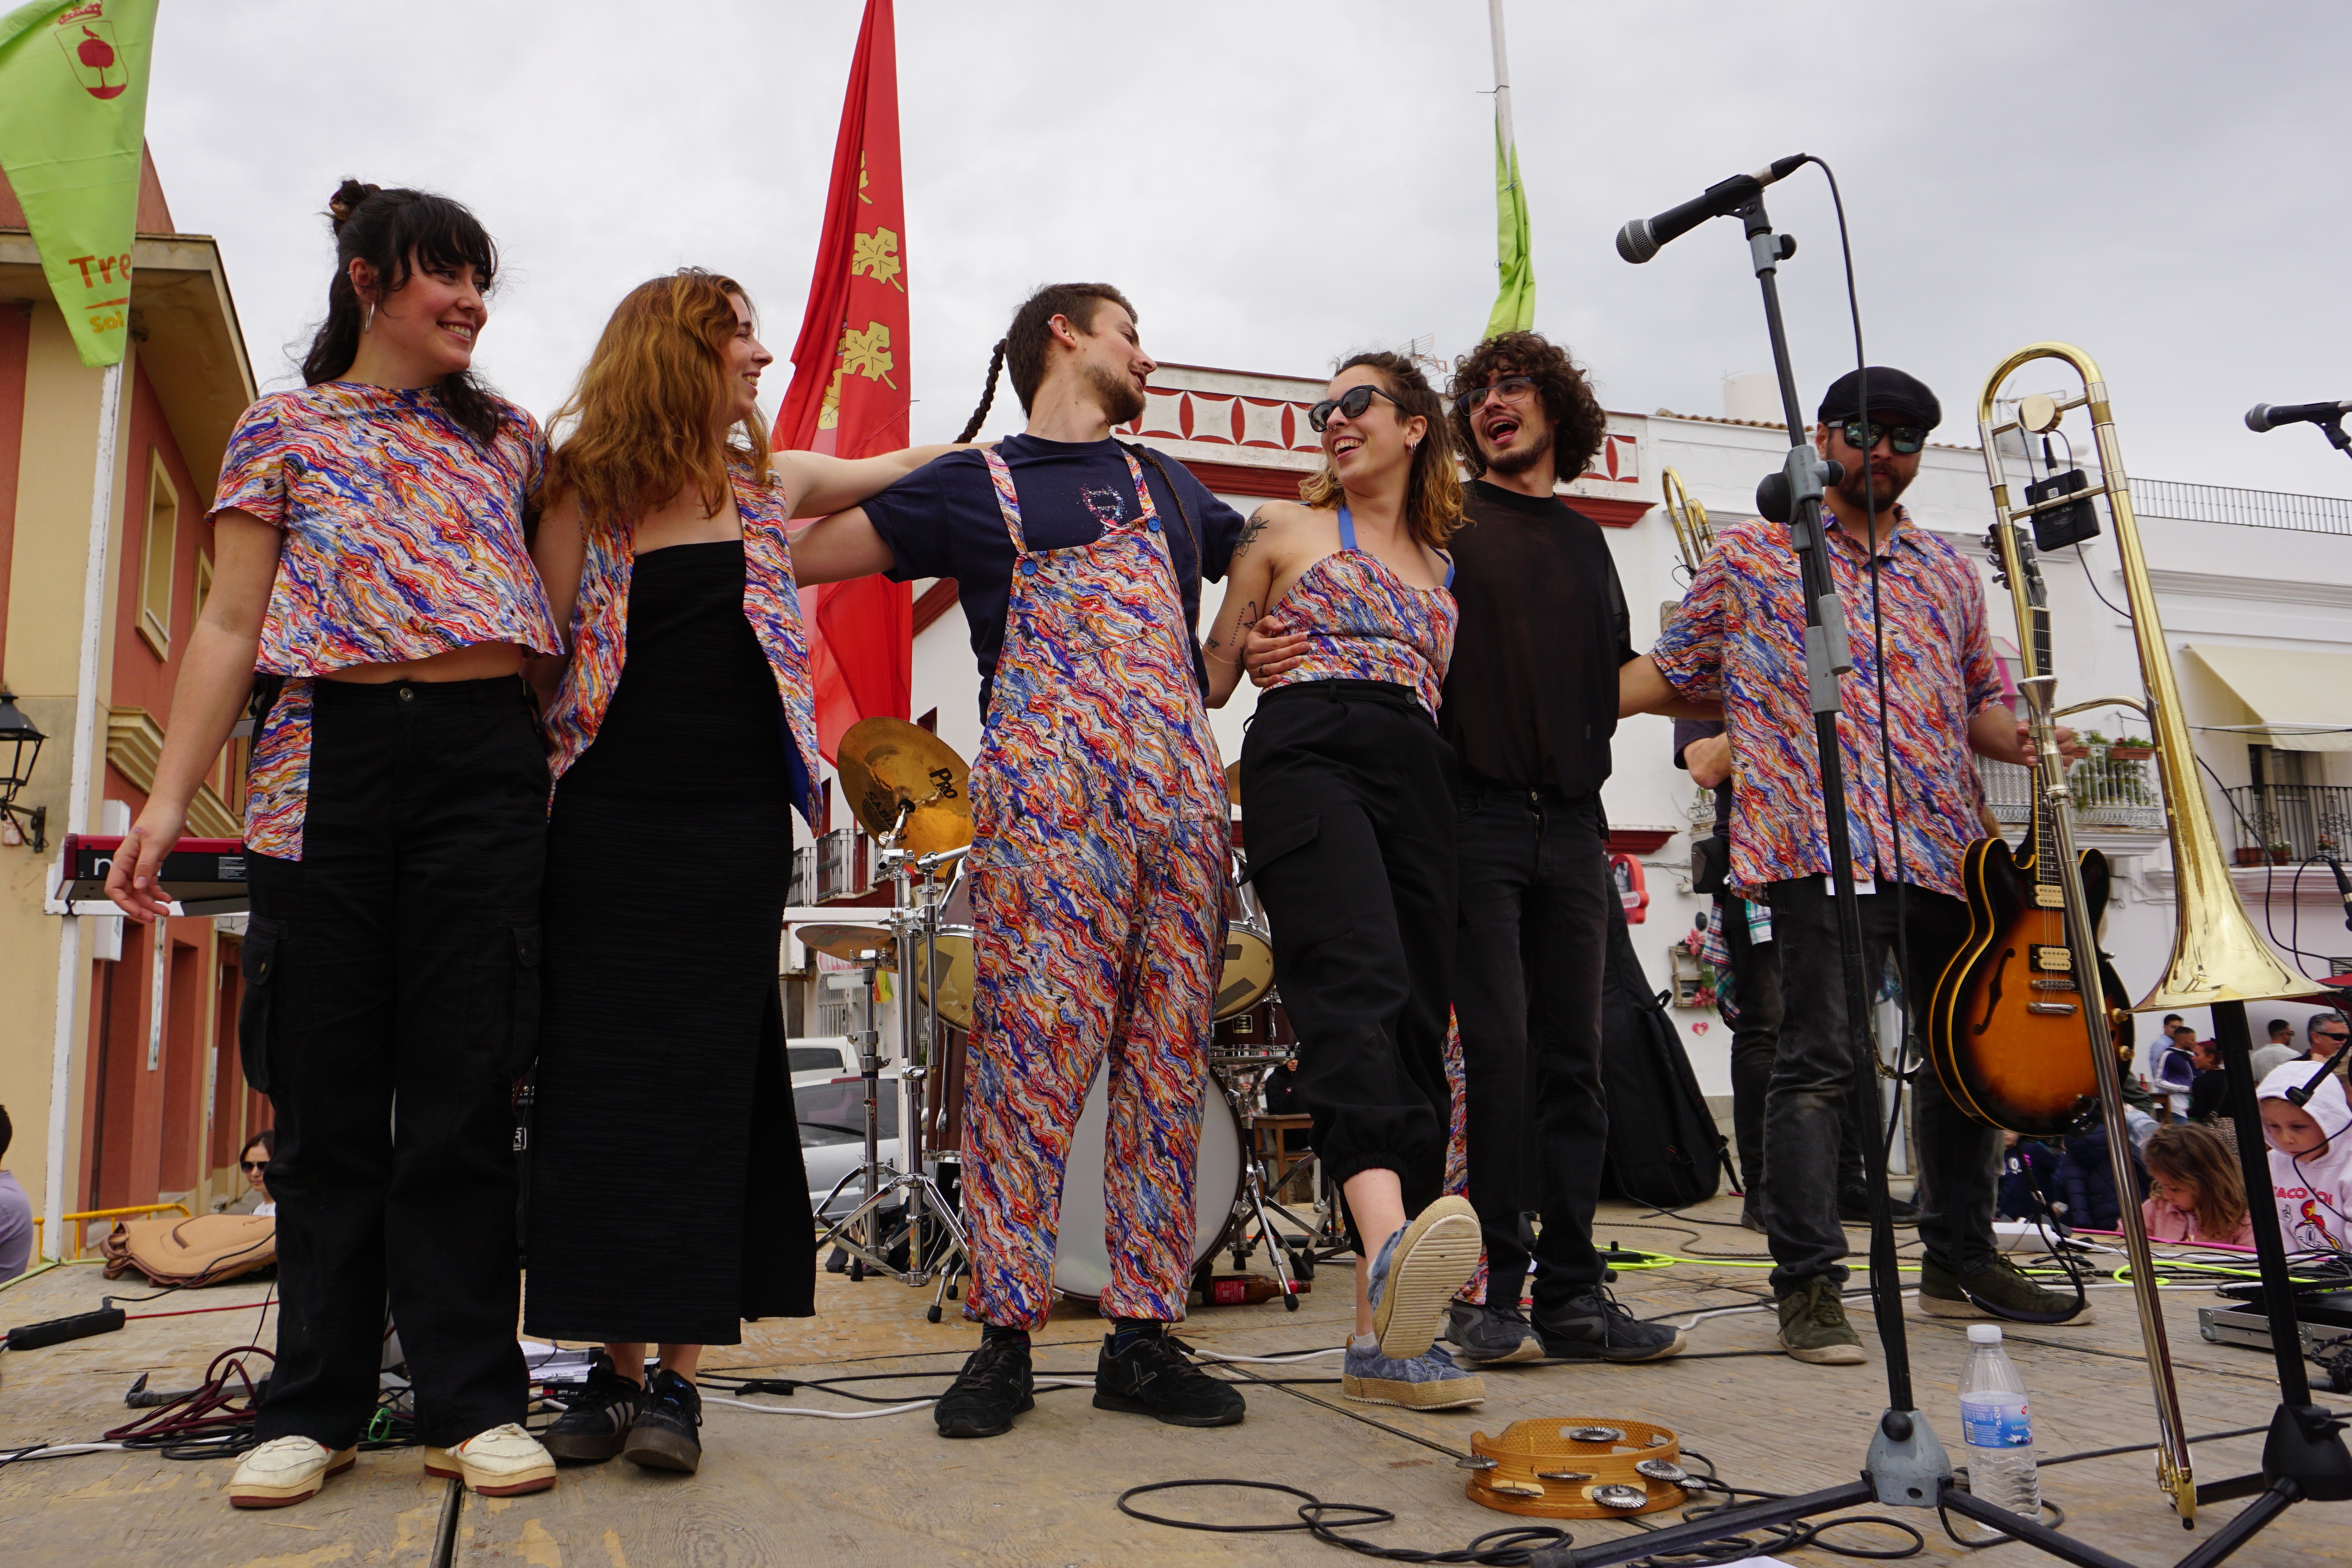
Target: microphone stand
(1906, 1466)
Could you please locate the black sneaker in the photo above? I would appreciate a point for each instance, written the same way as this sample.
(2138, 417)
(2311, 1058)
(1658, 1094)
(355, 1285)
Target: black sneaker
(597, 1423)
(994, 1386)
(662, 1437)
(1153, 1378)
(1594, 1327)
(1854, 1207)
(1488, 1335)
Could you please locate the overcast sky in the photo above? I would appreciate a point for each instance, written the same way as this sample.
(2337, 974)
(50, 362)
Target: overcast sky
(1277, 182)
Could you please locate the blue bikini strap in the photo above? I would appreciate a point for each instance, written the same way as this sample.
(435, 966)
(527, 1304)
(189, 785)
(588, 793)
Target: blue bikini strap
(1347, 529)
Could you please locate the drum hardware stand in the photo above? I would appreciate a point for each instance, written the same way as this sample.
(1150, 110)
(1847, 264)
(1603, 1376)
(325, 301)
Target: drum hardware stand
(857, 1233)
(1253, 1203)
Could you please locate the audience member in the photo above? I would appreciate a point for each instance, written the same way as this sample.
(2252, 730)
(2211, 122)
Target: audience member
(2327, 1032)
(255, 1163)
(2195, 1193)
(2282, 1032)
(2086, 1179)
(2209, 1091)
(2310, 1157)
(15, 1212)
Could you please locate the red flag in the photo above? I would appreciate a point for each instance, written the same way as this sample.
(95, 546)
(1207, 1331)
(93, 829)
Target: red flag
(849, 390)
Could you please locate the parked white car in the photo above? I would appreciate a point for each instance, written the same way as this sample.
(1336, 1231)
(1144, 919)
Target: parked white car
(832, 1114)
(819, 1058)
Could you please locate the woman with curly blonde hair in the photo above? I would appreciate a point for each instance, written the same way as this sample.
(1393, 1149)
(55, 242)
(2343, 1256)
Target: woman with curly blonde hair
(680, 724)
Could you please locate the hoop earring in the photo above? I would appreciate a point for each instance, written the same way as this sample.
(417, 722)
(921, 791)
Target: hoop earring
(367, 323)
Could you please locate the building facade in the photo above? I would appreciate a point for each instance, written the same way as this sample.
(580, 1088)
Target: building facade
(151, 1106)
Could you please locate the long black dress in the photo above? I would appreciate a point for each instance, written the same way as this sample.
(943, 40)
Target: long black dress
(668, 1200)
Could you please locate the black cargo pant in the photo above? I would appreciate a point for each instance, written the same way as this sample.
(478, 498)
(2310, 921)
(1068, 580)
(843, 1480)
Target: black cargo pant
(1347, 794)
(1755, 1027)
(392, 1000)
(1529, 958)
(1815, 1087)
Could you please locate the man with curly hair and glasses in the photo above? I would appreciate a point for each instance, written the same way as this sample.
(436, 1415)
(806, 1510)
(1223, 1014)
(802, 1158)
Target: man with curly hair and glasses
(1530, 701)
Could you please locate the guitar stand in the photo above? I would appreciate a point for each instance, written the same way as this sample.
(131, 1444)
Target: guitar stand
(1906, 1465)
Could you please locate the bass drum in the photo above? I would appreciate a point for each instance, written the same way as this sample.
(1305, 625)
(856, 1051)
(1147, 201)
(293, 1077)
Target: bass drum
(1082, 1260)
(1243, 981)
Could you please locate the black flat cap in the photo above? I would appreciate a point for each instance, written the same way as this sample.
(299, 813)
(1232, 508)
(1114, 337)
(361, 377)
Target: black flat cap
(1890, 391)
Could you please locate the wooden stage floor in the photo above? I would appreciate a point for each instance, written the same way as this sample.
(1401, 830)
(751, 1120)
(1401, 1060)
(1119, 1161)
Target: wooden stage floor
(779, 1489)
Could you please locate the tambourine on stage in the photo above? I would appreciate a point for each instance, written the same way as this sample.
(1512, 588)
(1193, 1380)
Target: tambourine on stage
(200, 877)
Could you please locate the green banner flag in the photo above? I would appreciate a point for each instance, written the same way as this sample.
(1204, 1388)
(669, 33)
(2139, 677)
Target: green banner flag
(1515, 301)
(73, 119)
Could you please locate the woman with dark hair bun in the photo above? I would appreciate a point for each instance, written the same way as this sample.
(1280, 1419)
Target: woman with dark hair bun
(682, 723)
(1350, 795)
(370, 567)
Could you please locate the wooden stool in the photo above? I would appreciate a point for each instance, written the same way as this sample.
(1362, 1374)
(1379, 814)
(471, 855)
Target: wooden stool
(1283, 1164)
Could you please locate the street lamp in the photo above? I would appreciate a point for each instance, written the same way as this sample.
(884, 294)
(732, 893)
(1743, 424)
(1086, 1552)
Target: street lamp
(20, 744)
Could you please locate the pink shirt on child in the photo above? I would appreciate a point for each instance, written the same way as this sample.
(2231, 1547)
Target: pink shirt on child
(2166, 1223)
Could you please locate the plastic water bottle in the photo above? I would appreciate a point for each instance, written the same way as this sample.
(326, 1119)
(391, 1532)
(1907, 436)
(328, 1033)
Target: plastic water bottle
(1998, 1427)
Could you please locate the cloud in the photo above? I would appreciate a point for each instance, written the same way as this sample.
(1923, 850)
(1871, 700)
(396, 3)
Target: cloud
(1278, 184)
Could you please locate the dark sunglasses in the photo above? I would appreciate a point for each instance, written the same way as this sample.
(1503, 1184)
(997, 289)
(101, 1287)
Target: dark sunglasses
(1511, 389)
(1352, 402)
(1907, 438)
(255, 1164)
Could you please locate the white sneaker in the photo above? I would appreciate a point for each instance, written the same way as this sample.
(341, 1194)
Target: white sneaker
(505, 1461)
(286, 1471)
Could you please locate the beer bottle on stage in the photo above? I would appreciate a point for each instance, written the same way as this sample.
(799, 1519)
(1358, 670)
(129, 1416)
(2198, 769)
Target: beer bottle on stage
(1997, 1426)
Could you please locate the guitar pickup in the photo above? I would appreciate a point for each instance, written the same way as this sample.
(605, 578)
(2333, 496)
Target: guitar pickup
(2050, 985)
(2049, 895)
(2053, 960)
(2052, 1009)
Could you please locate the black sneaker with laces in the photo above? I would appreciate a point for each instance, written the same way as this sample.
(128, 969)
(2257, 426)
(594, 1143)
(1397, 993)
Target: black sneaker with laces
(994, 1386)
(1489, 1335)
(1593, 1327)
(664, 1437)
(597, 1423)
(1152, 1376)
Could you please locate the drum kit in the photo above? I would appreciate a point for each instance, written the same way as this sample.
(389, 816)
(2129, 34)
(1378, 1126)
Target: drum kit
(910, 791)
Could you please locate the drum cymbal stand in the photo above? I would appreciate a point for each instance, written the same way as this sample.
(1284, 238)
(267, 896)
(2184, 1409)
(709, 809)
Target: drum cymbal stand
(911, 918)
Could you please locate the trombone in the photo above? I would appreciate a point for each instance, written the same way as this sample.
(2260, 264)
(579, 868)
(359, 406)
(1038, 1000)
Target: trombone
(1693, 532)
(2216, 955)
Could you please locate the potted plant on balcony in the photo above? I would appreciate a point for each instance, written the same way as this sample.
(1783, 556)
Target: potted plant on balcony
(2131, 748)
(2282, 852)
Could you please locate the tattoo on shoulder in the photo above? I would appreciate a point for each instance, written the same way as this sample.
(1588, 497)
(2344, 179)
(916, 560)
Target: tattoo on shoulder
(1250, 529)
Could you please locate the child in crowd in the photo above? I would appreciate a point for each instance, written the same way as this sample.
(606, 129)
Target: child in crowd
(2028, 1178)
(2087, 1181)
(2311, 1158)
(2195, 1192)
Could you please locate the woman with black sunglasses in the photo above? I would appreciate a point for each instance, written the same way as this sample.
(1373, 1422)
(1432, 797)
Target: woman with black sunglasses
(1350, 793)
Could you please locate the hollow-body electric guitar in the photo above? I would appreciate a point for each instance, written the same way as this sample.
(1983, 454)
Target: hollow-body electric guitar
(2004, 1032)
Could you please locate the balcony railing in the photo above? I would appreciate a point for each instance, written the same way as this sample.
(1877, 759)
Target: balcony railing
(2246, 509)
(2289, 823)
(2109, 792)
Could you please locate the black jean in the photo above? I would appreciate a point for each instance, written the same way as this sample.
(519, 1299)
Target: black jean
(391, 1001)
(1755, 1028)
(1814, 1086)
(1349, 793)
(1528, 961)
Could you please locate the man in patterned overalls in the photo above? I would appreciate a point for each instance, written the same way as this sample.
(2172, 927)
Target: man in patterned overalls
(1101, 853)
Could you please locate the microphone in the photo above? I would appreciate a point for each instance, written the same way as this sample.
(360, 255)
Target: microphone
(2263, 416)
(1644, 237)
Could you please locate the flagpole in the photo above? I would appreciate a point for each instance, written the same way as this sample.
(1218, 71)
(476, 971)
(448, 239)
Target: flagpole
(1502, 86)
(93, 600)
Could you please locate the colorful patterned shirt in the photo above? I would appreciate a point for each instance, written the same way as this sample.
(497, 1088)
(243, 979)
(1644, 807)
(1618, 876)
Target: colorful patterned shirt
(600, 625)
(1364, 623)
(1740, 637)
(404, 539)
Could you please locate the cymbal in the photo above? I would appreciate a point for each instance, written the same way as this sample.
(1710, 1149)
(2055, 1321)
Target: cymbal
(886, 764)
(848, 943)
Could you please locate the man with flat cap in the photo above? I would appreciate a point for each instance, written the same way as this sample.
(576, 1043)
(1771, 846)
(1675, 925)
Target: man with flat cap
(1741, 636)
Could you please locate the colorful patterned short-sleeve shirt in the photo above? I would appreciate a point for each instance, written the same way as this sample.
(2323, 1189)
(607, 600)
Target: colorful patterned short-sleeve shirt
(404, 539)
(599, 627)
(1740, 637)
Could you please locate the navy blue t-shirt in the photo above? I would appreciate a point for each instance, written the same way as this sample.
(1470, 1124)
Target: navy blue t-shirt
(943, 520)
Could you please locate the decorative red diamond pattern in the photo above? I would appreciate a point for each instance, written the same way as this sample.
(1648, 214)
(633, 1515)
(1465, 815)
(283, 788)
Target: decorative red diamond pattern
(1274, 425)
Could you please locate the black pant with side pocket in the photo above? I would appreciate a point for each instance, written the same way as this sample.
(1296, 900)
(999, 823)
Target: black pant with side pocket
(1347, 809)
(391, 1001)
